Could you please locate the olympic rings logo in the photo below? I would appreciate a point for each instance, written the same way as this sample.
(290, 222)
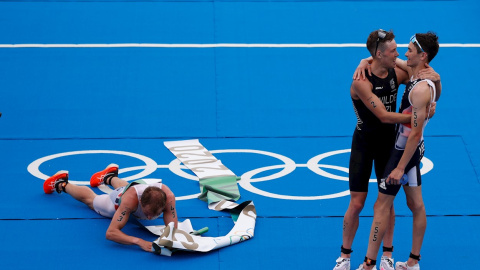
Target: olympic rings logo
(247, 178)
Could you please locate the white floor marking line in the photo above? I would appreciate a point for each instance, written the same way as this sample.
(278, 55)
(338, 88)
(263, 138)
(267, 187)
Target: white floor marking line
(218, 45)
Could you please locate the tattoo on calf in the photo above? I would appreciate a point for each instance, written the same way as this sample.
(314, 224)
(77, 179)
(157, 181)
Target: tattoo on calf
(173, 210)
(375, 232)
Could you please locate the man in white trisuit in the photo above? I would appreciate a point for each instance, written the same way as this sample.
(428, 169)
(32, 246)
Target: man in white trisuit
(143, 201)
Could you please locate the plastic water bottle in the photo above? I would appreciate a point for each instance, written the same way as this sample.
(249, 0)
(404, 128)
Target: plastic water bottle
(404, 180)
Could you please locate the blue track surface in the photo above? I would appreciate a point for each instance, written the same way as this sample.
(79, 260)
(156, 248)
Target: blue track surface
(252, 107)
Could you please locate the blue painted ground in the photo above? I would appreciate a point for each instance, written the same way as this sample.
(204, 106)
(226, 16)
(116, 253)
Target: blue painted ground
(267, 105)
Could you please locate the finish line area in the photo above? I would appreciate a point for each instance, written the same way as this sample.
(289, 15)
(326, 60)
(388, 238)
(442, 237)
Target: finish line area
(263, 85)
(300, 211)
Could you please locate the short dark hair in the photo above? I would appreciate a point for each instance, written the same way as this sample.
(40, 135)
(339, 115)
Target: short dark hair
(155, 197)
(429, 43)
(372, 41)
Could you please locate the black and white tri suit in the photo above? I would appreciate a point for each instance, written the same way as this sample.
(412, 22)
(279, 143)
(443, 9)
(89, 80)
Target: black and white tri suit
(372, 140)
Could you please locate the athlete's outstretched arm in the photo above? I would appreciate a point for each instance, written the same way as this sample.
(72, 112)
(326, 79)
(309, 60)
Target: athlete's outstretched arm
(114, 232)
(365, 65)
(402, 64)
(362, 89)
(427, 73)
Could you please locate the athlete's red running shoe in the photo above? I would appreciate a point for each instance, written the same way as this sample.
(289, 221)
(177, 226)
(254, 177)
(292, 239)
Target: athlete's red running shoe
(98, 178)
(54, 183)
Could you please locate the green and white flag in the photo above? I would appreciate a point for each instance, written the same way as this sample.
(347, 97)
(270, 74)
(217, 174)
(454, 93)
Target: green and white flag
(217, 182)
(218, 186)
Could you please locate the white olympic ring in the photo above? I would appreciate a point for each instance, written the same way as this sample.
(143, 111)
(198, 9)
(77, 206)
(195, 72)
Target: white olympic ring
(313, 165)
(246, 179)
(150, 167)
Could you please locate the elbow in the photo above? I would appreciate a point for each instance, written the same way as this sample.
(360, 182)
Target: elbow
(109, 235)
(385, 119)
(416, 136)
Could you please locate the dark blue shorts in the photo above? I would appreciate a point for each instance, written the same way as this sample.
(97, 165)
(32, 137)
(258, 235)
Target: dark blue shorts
(412, 170)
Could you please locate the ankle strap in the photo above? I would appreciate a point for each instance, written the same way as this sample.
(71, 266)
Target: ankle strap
(108, 180)
(64, 185)
(370, 262)
(345, 251)
(415, 257)
(387, 249)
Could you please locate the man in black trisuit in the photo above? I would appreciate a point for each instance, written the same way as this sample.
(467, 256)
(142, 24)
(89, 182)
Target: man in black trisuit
(374, 103)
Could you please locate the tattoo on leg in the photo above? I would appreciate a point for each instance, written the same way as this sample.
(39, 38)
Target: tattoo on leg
(375, 232)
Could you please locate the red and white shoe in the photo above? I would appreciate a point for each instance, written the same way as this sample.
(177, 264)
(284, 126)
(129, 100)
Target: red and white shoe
(54, 183)
(98, 178)
(404, 266)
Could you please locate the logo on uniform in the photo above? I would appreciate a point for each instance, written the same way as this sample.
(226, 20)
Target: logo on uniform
(382, 184)
(392, 84)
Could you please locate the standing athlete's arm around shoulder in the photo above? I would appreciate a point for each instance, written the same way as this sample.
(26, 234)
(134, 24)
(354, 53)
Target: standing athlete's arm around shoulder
(170, 211)
(360, 73)
(431, 74)
(402, 64)
(402, 71)
(403, 77)
(420, 98)
(114, 232)
(363, 90)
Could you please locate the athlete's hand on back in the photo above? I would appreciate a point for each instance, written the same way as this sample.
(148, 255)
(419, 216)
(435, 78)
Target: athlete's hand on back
(360, 71)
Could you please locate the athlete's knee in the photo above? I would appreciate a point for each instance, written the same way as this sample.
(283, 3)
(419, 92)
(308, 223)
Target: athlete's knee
(416, 206)
(383, 204)
(356, 205)
(89, 202)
